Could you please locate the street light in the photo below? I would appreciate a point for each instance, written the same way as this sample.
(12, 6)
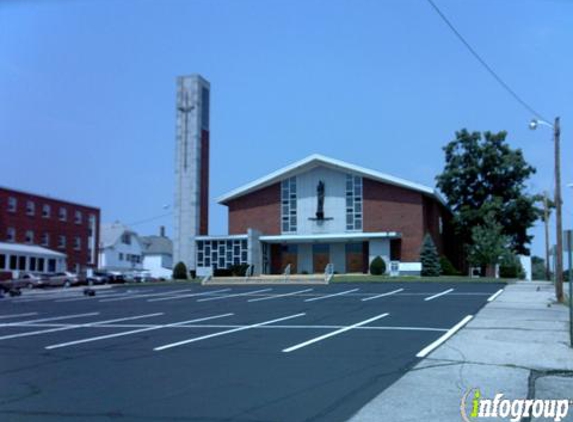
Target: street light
(559, 252)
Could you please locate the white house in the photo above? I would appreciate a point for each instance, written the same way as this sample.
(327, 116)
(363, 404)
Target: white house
(158, 255)
(120, 248)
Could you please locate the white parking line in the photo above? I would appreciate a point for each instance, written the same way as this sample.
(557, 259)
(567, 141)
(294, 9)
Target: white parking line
(72, 327)
(31, 321)
(115, 299)
(126, 333)
(18, 315)
(189, 295)
(222, 333)
(393, 292)
(233, 295)
(445, 292)
(258, 299)
(332, 295)
(101, 296)
(334, 333)
(495, 295)
(427, 350)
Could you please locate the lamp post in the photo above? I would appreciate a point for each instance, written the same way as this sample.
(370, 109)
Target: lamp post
(559, 239)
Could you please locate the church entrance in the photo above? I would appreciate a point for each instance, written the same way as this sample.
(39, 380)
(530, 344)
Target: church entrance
(320, 257)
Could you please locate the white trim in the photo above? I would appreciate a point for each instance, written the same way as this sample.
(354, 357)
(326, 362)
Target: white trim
(314, 161)
(223, 237)
(17, 248)
(354, 236)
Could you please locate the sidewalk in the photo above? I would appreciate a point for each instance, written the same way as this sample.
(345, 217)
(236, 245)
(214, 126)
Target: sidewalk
(517, 345)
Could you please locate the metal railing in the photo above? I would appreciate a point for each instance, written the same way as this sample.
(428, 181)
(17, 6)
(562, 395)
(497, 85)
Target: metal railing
(207, 277)
(329, 272)
(287, 273)
(249, 271)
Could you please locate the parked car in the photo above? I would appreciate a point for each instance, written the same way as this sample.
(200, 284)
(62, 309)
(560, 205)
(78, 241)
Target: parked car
(65, 279)
(24, 281)
(116, 278)
(98, 277)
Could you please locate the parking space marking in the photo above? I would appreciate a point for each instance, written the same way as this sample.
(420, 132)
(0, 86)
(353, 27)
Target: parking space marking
(430, 348)
(222, 333)
(126, 333)
(332, 295)
(72, 327)
(495, 295)
(234, 295)
(445, 292)
(258, 299)
(188, 295)
(333, 333)
(83, 297)
(32, 321)
(393, 292)
(18, 315)
(136, 296)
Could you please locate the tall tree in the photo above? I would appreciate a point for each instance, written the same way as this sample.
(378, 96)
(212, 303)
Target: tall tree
(484, 174)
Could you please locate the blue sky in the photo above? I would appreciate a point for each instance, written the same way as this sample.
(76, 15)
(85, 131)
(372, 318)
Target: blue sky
(87, 90)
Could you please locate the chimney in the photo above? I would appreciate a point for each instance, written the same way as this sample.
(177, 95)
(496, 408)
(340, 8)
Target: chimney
(162, 231)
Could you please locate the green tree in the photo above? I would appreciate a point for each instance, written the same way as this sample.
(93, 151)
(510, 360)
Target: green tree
(430, 259)
(180, 271)
(483, 174)
(488, 247)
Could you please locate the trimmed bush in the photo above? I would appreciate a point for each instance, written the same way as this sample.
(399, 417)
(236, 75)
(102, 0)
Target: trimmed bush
(377, 266)
(239, 270)
(510, 267)
(180, 271)
(429, 258)
(447, 266)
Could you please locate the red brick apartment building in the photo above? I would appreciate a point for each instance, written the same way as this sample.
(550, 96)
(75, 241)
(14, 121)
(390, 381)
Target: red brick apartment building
(45, 223)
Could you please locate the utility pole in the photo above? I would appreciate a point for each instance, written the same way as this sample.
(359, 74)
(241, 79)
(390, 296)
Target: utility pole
(546, 221)
(559, 251)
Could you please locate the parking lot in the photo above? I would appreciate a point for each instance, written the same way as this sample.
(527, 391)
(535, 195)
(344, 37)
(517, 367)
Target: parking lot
(218, 353)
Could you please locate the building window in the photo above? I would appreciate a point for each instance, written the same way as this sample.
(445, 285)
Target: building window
(288, 205)
(90, 256)
(221, 254)
(12, 204)
(77, 243)
(22, 263)
(78, 217)
(46, 239)
(13, 262)
(61, 242)
(11, 234)
(2, 261)
(353, 202)
(63, 214)
(41, 264)
(29, 236)
(32, 263)
(30, 208)
(121, 256)
(126, 239)
(46, 211)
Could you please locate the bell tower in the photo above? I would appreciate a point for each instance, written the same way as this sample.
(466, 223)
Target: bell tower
(191, 205)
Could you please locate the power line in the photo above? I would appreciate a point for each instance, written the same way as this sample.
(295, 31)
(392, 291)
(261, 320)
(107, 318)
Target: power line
(484, 63)
(157, 217)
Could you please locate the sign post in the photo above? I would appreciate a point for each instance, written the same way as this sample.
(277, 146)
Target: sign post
(569, 244)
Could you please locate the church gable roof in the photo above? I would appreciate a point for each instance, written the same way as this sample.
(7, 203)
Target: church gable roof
(317, 160)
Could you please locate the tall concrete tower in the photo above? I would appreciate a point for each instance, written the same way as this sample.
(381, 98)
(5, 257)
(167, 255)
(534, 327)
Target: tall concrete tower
(191, 206)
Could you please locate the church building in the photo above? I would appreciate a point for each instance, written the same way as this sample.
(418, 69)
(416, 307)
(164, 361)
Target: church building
(312, 213)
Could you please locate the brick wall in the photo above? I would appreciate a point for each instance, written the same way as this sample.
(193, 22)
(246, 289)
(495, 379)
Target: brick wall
(259, 210)
(391, 208)
(22, 222)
